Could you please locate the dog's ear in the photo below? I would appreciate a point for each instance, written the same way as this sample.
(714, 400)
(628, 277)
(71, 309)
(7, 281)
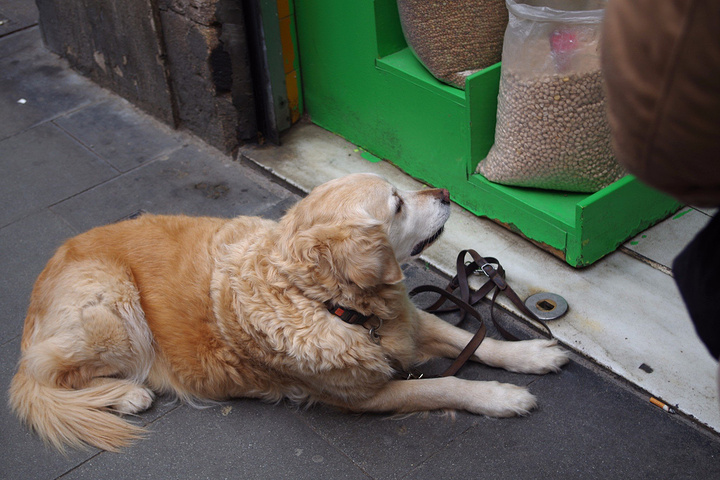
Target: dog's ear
(356, 253)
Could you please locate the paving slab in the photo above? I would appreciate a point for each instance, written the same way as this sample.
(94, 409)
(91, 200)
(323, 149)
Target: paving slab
(386, 446)
(59, 166)
(26, 246)
(19, 42)
(276, 211)
(193, 180)
(586, 427)
(16, 16)
(240, 439)
(36, 85)
(663, 242)
(121, 134)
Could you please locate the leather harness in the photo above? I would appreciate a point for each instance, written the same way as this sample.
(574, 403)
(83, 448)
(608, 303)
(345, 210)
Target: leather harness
(464, 303)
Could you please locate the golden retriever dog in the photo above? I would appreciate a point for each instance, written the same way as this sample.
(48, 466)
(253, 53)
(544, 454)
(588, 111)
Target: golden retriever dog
(214, 309)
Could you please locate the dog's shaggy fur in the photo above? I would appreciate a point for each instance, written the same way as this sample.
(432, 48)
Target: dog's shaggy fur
(208, 308)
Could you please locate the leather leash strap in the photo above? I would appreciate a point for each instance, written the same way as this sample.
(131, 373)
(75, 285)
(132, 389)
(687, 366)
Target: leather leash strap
(496, 281)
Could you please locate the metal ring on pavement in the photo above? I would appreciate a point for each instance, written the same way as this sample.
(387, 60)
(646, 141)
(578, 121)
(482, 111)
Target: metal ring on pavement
(547, 306)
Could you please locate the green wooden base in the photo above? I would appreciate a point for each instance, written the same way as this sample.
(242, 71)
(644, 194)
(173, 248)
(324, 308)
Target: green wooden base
(362, 82)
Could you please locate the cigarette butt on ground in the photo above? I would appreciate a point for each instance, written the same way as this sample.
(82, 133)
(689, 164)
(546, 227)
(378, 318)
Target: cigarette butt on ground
(661, 404)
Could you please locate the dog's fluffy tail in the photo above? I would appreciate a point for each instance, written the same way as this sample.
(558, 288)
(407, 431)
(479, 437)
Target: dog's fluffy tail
(75, 418)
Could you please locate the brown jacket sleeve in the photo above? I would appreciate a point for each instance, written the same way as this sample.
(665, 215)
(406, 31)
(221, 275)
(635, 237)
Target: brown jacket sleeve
(661, 61)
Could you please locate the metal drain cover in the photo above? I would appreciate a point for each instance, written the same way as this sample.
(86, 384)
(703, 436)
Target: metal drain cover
(547, 306)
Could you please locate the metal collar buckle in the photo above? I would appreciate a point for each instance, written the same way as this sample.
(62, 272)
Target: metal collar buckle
(356, 318)
(348, 316)
(493, 275)
(373, 331)
(487, 272)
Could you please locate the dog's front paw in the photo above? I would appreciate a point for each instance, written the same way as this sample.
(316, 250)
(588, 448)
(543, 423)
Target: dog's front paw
(534, 356)
(501, 400)
(544, 356)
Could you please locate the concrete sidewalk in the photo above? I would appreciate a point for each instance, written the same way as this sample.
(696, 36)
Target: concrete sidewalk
(73, 156)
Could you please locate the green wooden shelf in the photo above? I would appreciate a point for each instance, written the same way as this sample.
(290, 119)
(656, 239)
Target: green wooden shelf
(362, 82)
(403, 63)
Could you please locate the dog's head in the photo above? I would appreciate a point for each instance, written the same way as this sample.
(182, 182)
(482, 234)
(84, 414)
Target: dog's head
(358, 229)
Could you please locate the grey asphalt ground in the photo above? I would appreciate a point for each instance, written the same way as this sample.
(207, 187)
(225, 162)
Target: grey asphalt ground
(74, 156)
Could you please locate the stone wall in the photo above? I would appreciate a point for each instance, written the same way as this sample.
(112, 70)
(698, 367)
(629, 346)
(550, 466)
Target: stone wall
(184, 61)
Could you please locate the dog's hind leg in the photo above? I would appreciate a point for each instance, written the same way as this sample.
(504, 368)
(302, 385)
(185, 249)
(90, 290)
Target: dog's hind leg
(97, 341)
(135, 399)
(86, 351)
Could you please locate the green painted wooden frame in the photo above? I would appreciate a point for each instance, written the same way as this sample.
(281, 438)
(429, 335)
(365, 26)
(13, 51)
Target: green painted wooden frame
(361, 81)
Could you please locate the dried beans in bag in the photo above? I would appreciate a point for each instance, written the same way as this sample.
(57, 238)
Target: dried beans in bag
(552, 131)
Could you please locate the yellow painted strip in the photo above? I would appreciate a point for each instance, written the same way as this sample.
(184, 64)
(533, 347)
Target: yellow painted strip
(293, 94)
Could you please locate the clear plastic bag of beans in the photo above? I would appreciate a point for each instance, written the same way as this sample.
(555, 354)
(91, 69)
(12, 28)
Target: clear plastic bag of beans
(454, 38)
(552, 131)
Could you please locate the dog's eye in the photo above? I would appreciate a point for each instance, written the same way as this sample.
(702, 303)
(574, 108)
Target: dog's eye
(399, 207)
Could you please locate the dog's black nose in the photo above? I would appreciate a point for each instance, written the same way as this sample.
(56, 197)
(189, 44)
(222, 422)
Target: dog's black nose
(444, 196)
